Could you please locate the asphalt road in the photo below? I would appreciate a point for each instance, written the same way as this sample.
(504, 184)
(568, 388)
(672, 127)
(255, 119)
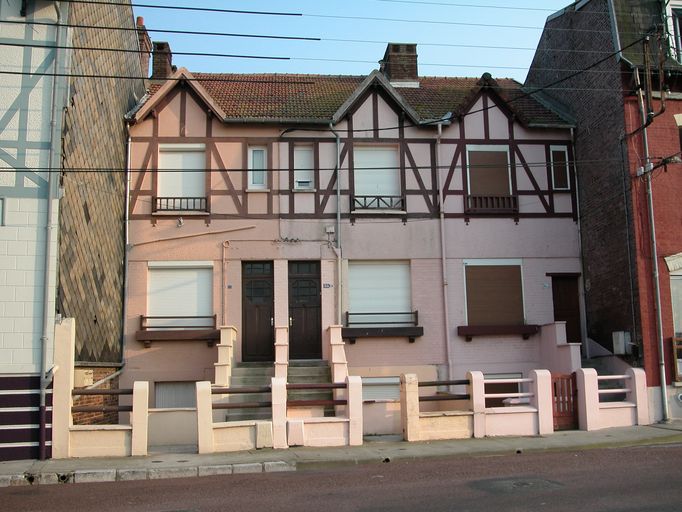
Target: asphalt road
(643, 479)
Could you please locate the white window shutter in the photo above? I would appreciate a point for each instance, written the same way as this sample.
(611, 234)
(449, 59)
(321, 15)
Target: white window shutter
(380, 287)
(376, 171)
(182, 173)
(177, 292)
(303, 167)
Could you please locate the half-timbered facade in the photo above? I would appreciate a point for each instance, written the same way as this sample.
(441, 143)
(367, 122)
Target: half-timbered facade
(434, 218)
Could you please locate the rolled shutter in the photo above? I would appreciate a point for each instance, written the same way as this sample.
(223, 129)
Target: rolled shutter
(494, 295)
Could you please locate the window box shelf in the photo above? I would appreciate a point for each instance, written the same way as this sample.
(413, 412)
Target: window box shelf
(352, 333)
(471, 331)
(180, 204)
(178, 328)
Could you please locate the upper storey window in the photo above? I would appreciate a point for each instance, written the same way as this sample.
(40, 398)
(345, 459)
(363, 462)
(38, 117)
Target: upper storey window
(489, 181)
(676, 33)
(258, 158)
(560, 174)
(181, 184)
(377, 179)
(304, 164)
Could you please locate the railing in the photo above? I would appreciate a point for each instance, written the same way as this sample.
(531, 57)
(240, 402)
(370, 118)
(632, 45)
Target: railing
(603, 392)
(444, 396)
(492, 204)
(382, 319)
(177, 322)
(179, 204)
(311, 403)
(101, 408)
(517, 381)
(241, 391)
(378, 203)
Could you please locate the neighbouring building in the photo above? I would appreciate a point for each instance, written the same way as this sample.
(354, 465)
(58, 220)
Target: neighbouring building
(62, 200)
(435, 218)
(592, 59)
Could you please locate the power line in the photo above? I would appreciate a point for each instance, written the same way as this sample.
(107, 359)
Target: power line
(264, 57)
(184, 8)
(476, 6)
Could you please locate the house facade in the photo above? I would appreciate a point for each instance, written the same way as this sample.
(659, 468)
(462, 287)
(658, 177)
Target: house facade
(435, 219)
(626, 141)
(61, 224)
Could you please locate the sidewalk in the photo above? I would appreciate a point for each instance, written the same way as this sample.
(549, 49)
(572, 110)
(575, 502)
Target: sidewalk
(184, 465)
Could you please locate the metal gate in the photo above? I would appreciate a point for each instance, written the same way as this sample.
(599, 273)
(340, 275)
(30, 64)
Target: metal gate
(565, 398)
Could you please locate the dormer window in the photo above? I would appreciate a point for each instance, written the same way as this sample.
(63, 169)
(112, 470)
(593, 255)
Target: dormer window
(181, 179)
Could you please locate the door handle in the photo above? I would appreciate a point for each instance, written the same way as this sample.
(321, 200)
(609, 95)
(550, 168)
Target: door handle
(272, 321)
(291, 321)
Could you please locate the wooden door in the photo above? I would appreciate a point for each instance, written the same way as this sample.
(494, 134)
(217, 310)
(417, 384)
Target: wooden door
(305, 330)
(567, 305)
(565, 399)
(258, 336)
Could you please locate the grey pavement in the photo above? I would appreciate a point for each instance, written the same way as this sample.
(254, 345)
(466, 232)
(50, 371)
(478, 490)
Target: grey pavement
(374, 450)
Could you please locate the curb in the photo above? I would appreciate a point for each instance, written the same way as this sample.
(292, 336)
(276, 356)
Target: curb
(127, 475)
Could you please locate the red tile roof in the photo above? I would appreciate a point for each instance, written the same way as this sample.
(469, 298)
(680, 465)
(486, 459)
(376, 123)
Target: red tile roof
(317, 98)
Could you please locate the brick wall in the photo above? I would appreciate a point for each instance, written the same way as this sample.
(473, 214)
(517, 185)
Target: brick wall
(91, 248)
(98, 418)
(594, 98)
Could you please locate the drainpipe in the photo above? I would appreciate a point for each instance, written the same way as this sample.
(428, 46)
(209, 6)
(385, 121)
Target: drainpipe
(337, 248)
(50, 241)
(646, 172)
(443, 256)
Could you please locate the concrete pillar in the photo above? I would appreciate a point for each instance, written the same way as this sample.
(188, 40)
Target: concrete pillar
(62, 400)
(543, 400)
(281, 284)
(477, 393)
(588, 398)
(355, 428)
(223, 368)
(638, 394)
(281, 352)
(409, 406)
(139, 418)
(279, 413)
(339, 363)
(204, 417)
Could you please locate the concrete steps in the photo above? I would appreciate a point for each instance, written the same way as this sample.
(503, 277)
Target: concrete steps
(249, 375)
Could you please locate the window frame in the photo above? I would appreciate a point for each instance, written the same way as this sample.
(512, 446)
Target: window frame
(199, 203)
(493, 263)
(251, 185)
(674, 13)
(676, 276)
(490, 148)
(309, 171)
(380, 202)
(563, 149)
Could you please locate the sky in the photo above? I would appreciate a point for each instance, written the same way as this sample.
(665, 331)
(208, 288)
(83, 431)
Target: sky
(454, 37)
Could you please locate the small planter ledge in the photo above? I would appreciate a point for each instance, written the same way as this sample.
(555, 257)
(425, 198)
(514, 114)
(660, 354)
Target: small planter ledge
(209, 336)
(471, 331)
(352, 333)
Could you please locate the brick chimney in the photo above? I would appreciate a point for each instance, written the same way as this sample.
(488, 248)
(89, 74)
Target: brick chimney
(145, 45)
(400, 63)
(162, 61)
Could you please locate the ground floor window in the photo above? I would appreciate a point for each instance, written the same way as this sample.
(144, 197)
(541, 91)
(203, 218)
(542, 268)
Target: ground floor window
(494, 292)
(676, 296)
(171, 395)
(180, 296)
(379, 293)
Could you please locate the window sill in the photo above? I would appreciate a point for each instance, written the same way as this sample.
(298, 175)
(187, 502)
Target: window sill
(255, 190)
(299, 190)
(210, 336)
(471, 331)
(352, 333)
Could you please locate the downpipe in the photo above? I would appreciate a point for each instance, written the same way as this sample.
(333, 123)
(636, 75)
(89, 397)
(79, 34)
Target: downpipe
(337, 247)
